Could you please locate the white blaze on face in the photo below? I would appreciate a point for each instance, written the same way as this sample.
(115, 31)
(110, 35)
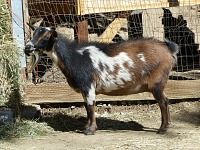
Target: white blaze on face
(110, 78)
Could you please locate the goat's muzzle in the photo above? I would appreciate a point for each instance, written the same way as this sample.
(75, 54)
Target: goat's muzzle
(28, 50)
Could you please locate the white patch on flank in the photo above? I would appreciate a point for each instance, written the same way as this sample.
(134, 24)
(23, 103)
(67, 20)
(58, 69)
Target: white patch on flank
(91, 95)
(141, 56)
(109, 79)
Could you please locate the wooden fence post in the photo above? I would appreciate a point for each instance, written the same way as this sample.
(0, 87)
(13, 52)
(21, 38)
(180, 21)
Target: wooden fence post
(81, 31)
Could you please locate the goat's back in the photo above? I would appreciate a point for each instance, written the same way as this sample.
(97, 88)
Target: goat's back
(133, 66)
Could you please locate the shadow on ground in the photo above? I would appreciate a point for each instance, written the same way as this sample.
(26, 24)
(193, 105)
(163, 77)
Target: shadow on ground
(189, 117)
(66, 123)
(68, 119)
(189, 113)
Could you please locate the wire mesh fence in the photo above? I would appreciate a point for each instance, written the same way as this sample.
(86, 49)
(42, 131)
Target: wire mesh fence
(120, 20)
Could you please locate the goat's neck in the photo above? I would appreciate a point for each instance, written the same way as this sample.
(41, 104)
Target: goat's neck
(58, 60)
(50, 50)
(51, 43)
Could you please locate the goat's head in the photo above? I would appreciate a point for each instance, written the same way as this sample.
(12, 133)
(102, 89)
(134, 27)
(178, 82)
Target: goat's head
(42, 40)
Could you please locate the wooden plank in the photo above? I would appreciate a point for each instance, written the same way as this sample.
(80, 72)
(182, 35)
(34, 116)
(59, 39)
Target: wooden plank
(81, 31)
(26, 19)
(40, 8)
(112, 30)
(61, 92)
(173, 3)
(102, 6)
(188, 2)
(26, 32)
(82, 7)
(193, 74)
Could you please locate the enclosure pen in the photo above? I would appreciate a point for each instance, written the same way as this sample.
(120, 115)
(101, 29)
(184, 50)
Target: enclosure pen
(112, 21)
(40, 102)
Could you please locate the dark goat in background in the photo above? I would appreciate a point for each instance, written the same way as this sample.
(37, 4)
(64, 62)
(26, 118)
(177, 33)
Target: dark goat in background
(176, 30)
(91, 68)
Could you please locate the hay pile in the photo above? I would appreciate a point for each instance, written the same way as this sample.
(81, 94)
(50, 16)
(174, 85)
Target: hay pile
(9, 62)
(11, 85)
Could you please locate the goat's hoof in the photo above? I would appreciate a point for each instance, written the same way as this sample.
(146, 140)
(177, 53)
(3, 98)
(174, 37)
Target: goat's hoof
(162, 131)
(88, 131)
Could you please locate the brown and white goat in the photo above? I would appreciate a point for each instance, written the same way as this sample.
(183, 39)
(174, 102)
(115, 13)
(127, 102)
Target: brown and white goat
(91, 68)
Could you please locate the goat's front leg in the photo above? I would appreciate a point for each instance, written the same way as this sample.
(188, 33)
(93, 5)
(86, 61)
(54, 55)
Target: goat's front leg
(90, 105)
(88, 116)
(91, 125)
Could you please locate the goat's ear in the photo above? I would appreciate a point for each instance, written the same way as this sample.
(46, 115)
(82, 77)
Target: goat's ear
(54, 33)
(31, 26)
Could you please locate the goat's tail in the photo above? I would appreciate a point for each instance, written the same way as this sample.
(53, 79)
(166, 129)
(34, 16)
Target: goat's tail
(173, 48)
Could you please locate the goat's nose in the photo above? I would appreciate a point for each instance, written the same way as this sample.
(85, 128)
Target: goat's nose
(28, 50)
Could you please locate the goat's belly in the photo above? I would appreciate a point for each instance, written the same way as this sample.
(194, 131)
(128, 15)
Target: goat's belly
(119, 90)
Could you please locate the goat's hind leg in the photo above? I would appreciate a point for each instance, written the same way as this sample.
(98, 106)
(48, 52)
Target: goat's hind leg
(163, 102)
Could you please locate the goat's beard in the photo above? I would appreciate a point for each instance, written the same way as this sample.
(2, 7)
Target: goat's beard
(34, 60)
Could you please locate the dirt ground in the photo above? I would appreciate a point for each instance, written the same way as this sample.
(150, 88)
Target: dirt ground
(120, 127)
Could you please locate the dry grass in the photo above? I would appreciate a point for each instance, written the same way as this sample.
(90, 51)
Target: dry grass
(11, 85)
(23, 129)
(9, 62)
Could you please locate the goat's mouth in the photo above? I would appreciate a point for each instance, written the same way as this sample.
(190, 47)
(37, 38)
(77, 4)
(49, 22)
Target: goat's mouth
(34, 60)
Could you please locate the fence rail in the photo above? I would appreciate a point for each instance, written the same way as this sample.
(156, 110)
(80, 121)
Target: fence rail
(61, 92)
